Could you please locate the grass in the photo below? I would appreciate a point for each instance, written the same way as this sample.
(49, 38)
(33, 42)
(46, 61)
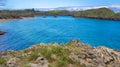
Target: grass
(2, 61)
(61, 53)
(46, 51)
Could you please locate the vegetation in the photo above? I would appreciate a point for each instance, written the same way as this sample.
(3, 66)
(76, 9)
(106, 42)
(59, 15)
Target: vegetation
(72, 54)
(16, 14)
(101, 13)
(2, 61)
(57, 56)
(58, 12)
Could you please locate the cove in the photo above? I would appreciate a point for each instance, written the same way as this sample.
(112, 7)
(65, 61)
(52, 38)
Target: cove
(24, 33)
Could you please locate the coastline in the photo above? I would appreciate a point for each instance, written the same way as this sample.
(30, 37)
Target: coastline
(100, 18)
(3, 20)
(72, 54)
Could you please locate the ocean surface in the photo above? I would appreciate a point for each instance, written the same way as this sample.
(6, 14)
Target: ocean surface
(24, 33)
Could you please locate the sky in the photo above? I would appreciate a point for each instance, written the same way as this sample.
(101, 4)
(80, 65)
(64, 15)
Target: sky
(20, 4)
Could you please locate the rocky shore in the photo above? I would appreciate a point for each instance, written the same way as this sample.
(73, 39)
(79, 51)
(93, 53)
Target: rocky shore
(100, 18)
(2, 33)
(71, 54)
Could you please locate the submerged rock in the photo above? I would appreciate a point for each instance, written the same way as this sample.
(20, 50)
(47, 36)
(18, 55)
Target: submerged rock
(2, 33)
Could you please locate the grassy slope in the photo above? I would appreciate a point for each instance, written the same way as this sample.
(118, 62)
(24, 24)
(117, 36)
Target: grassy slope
(101, 13)
(60, 55)
(72, 54)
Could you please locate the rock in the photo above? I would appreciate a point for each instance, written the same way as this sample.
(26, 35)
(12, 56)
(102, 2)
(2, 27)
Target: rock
(2, 33)
(33, 65)
(71, 65)
(86, 55)
(41, 62)
(99, 57)
(13, 62)
(76, 43)
(107, 55)
(53, 56)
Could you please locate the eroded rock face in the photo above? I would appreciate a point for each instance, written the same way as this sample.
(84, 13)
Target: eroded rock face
(13, 62)
(40, 62)
(76, 43)
(2, 33)
(97, 57)
(86, 55)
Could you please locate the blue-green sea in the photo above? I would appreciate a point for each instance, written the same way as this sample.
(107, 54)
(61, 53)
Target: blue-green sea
(24, 33)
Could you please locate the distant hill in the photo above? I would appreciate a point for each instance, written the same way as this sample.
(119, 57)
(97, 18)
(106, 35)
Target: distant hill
(71, 8)
(101, 13)
(96, 12)
(80, 8)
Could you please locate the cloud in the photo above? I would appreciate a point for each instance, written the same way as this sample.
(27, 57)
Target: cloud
(115, 6)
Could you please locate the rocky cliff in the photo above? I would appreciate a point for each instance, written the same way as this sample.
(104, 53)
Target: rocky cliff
(72, 54)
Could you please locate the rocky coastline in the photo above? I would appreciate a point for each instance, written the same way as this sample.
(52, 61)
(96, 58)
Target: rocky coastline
(101, 18)
(71, 54)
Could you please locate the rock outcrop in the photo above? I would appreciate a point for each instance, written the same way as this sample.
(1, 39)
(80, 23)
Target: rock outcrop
(13, 62)
(97, 57)
(72, 54)
(2, 33)
(41, 62)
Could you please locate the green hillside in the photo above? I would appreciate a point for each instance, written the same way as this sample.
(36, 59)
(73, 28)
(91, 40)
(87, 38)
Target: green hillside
(101, 13)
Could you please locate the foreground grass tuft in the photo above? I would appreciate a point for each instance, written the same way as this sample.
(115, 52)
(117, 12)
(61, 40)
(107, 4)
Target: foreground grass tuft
(2, 61)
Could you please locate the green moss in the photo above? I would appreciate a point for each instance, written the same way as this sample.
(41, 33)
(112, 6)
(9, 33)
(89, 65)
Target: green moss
(34, 56)
(2, 61)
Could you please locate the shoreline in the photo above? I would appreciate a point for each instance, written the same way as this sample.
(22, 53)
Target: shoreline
(4, 20)
(99, 18)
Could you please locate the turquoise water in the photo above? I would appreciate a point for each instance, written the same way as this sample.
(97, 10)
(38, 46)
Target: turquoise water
(24, 33)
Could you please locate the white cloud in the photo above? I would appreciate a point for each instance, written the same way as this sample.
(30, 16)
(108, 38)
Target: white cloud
(115, 6)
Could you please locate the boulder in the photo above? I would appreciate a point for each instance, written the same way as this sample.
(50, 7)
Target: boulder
(40, 62)
(76, 43)
(13, 62)
(98, 57)
(2, 33)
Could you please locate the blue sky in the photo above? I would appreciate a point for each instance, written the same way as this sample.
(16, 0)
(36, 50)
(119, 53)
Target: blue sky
(18, 4)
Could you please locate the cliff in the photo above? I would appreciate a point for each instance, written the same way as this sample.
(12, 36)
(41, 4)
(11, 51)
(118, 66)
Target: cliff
(72, 54)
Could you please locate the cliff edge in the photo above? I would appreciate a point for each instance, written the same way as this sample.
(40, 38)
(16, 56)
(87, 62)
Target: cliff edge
(72, 54)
